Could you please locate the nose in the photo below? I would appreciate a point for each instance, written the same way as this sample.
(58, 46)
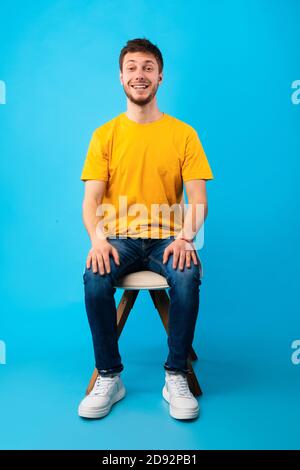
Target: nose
(139, 76)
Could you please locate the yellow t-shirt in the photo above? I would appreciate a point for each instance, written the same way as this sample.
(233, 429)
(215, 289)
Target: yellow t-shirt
(145, 166)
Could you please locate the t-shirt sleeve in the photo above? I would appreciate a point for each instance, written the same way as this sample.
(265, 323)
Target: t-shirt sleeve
(195, 164)
(96, 163)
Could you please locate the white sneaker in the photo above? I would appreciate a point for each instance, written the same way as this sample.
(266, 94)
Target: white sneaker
(106, 392)
(183, 404)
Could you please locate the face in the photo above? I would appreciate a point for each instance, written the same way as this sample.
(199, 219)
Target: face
(140, 77)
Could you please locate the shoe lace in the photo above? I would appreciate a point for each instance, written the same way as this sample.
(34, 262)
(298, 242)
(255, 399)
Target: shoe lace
(179, 385)
(102, 385)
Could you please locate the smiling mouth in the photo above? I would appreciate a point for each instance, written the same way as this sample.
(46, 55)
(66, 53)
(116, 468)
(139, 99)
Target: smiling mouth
(140, 87)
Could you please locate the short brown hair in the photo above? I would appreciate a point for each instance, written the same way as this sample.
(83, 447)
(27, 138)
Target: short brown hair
(142, 45)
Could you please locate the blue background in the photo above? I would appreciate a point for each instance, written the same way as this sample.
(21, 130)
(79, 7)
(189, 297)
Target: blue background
(229, 66)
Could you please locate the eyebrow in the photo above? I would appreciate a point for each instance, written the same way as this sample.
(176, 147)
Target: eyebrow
(131, 60)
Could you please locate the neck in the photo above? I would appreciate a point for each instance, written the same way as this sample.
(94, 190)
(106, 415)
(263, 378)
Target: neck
(143, 114)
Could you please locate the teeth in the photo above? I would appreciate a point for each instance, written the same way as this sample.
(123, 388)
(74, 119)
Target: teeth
(139, 86)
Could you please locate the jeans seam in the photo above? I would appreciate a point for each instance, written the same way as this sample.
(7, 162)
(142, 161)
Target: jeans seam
(161, 265)
(129, 264)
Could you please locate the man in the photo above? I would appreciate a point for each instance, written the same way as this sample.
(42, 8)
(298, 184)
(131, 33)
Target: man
(142, 156)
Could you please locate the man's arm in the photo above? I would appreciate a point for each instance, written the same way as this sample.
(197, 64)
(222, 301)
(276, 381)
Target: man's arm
(101, 248)
(183, 251)
(93, 195)
(197, 208)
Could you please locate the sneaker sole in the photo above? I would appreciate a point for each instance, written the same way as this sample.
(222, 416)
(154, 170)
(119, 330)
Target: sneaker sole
(84, 412)
(178, 413)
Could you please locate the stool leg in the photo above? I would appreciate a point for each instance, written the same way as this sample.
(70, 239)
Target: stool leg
(193, 355)
(161, 302)
(92, 381)
(125, 305)
(193, 381)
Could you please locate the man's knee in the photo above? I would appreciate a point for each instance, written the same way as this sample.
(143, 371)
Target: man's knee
(187, 277)
(97, 284)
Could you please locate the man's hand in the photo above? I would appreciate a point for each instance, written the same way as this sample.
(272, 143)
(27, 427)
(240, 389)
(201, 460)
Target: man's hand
(99, 256)
(183, 252)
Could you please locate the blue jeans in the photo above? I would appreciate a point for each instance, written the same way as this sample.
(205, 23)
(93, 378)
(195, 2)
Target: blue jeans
(135, 255)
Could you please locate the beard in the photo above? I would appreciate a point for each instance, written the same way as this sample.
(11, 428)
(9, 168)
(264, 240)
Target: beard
(141, 101)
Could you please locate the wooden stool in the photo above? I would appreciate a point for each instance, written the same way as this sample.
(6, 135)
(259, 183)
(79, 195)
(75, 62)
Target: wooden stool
(156, 285)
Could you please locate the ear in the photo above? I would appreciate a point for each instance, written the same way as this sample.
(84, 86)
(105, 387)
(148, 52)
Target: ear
(121, 78)
(160, 78)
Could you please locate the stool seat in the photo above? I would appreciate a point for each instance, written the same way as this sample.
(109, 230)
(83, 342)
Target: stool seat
(143, 280)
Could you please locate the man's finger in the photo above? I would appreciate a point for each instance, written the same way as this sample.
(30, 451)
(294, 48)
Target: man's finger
(194, 257)
(188, 259)
(166, 255)
(182, 259)
(101, 265)
(88, 261)
(94, 264)
(115, 255)
(106, 262)
(175, 258)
